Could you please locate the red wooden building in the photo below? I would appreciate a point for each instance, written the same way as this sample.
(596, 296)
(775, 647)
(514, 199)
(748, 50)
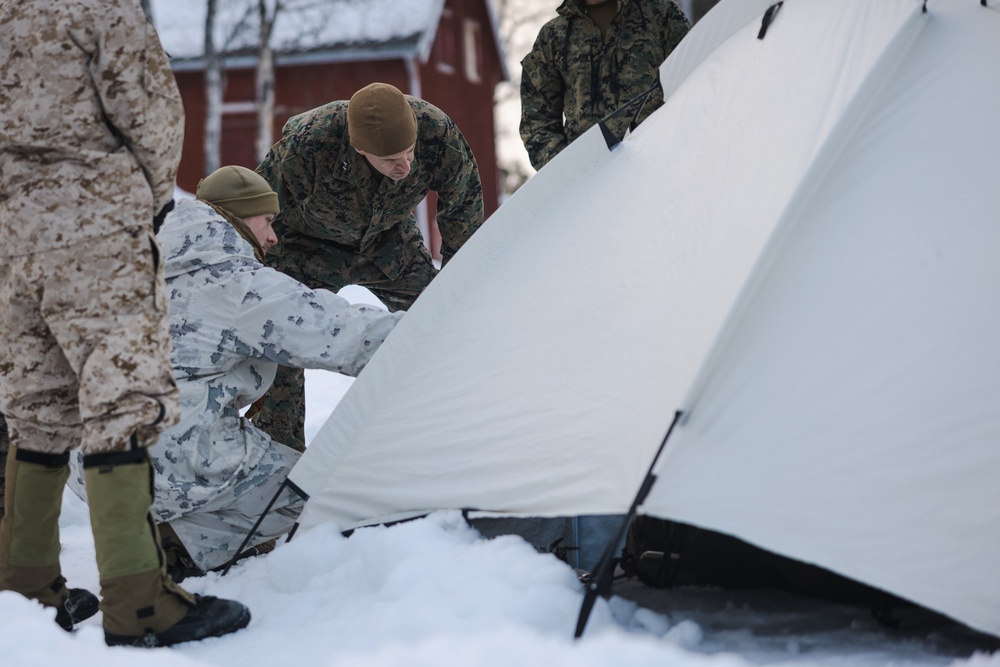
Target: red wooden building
(444, 51)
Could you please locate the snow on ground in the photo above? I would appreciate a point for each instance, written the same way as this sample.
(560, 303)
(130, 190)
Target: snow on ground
(434, 593)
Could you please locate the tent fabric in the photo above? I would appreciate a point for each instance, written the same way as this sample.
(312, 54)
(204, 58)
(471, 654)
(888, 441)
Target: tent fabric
(851, 408)
(486, 374)
(793, 251)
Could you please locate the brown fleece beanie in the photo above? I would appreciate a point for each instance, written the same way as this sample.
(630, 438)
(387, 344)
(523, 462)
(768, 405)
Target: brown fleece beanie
(380, 120)
(239, 191)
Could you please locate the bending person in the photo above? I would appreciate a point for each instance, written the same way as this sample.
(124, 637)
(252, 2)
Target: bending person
(350, 175)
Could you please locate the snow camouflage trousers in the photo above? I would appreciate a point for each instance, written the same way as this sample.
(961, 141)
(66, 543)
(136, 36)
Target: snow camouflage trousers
(85, 346)
(281, 413)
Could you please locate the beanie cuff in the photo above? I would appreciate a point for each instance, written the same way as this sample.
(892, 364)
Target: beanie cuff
(252, 205)
(380, 120)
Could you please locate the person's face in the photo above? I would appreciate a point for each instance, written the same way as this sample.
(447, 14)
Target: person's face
(260, 225)
(394, 166)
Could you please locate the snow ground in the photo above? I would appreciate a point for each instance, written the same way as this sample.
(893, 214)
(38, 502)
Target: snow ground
(434, 593)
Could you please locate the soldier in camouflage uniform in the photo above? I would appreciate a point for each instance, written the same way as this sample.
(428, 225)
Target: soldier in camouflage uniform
(594, 57)
(91, 124)
(349, 176)
(232, 321)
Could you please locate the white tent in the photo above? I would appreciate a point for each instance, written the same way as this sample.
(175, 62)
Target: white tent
(798, 252)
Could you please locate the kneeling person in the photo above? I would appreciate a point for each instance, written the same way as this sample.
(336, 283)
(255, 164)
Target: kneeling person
(233, 320)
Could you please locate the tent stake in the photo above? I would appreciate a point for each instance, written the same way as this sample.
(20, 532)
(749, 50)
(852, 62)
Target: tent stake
(600, 580)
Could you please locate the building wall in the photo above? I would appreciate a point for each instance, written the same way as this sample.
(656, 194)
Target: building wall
(460, 78)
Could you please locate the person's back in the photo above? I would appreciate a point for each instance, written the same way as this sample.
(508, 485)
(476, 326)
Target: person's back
(64, 172)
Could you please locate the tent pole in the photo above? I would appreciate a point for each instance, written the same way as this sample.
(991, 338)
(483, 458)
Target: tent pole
(609, 137)
(246, 540)
(600, 580)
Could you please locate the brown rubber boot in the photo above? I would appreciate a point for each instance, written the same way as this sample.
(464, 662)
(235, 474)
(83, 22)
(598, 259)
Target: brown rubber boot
(142, 605)
(29, 536)
(138, 597)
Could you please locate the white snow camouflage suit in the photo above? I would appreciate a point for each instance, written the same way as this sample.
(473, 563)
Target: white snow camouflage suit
(232, 321)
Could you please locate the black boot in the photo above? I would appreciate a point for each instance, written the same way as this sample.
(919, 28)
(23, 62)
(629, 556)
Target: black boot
(78, 605)
(142, 605)
(210, 617)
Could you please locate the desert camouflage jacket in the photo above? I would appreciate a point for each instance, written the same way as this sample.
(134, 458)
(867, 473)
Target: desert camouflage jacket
(91, 122)
(570, 70)
(232, 321)
(328, 193)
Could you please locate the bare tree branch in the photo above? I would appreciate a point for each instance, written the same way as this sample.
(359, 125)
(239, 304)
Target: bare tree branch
(213, 93)
(264, 78)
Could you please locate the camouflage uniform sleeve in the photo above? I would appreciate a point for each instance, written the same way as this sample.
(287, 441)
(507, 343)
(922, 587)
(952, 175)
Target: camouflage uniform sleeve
(140, 97)
(460, 197)
(289, 168)
(285, 322)
(677, 26)
(542, 90)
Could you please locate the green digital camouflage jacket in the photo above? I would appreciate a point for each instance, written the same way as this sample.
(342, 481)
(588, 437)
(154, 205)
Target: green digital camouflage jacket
(570, 70)
(327, 192)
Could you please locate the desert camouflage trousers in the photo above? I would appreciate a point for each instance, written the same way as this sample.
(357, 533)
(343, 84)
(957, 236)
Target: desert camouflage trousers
(85, 346)
(281, 413)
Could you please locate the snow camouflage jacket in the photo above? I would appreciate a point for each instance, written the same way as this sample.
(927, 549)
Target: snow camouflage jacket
(232, 321)
(57, 151)
(328, 194)
(570, 70)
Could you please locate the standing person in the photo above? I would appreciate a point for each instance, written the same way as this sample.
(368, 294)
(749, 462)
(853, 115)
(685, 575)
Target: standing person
(91, 124)
(594, 57)
(349, 176)
(232, 321)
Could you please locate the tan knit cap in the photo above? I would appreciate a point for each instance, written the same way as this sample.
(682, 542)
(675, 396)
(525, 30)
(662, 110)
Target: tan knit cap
(380, 120)
(238, 190)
